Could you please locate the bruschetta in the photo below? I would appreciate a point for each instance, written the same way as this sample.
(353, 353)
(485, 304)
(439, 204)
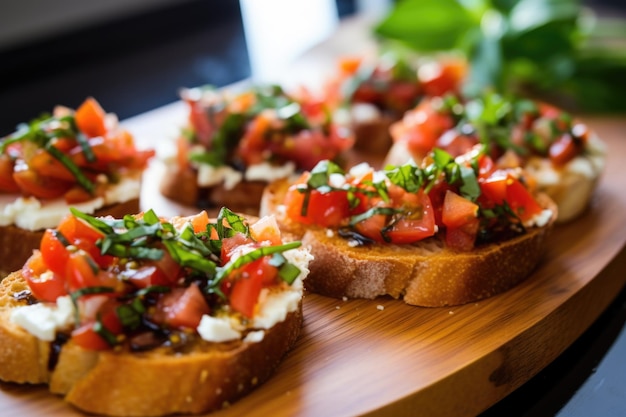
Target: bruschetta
(80, 158)
(143, 316)
(373, 93)
(235, 143)
(563, 154)
(450, 231)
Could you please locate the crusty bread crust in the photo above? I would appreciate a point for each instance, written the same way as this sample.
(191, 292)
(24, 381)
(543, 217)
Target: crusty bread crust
(204, 377)
(17, 244)
(424, 274)
(181, 185)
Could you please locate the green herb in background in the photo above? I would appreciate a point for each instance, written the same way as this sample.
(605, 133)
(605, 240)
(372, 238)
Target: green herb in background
(556, 50)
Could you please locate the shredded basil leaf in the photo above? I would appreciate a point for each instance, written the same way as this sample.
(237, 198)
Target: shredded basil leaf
(105, 333)
(252, 256)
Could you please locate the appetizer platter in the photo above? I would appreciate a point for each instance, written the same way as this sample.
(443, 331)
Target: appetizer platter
(382, 356)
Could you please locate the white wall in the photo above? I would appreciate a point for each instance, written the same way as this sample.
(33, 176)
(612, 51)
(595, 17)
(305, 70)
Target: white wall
(28, 20)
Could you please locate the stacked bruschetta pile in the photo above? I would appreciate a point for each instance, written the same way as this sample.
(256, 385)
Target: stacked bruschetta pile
(385, 182)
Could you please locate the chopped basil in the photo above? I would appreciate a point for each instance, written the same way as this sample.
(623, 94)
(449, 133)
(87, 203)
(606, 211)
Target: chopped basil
(236, 223)
(105, 333)
(99, 224)
(61, 238)
(67, 162)
(251, 256)
(288, 272)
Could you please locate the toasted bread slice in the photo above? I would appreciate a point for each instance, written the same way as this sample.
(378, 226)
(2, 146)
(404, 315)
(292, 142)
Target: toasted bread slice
(425, 274)
(185, 350)
(17, 244)
(204, 376)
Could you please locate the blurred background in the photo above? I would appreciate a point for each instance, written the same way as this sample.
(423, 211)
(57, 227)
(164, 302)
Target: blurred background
(134, 56)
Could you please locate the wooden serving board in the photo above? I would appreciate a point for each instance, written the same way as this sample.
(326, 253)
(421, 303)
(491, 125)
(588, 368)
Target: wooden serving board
(383, 357)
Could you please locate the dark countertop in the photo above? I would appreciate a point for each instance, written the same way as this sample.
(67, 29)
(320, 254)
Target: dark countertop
(139, 63)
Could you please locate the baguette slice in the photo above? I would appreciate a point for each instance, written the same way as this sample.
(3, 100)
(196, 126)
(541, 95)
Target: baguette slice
(205, 376)
(199, 371)
(17, 244)
(424, 274)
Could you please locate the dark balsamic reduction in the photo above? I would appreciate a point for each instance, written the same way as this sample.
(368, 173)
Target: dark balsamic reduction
(55, 350)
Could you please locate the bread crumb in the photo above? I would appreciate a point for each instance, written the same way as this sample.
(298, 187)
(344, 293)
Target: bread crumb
(330, 233)
(218, 391)
(344, 298)
(204, 375)
(450, 312)
(380, 307)
(337, 307)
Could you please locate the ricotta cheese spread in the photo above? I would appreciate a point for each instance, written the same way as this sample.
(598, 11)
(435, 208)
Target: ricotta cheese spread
(570, 186)
(32, 214)
(209, 175)
(43, 320)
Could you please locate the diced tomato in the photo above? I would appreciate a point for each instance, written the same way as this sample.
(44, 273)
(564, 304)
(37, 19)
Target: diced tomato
(437, 195)
(442, 76)
(53, 251)
(310, 146)
(501, 187)
(77, 194)
(421, 127)
(46, 165)
(457, 210)
(90, 118)
(455, 143)
(199, 221)
(266, 230)
(563, 150)
(86, 335)
(82, 271)
(418, 226)
(253, 143)
(39, 186)
(324, 209)
(45, 286)
(349, 64)
(233, 244)
(182, 307)
(372, 227)
(462, 238)
(246, 288)
(168, 267)
(494, 187)
(7, 183)
(486, 166)
(83, 236)
(521, 201)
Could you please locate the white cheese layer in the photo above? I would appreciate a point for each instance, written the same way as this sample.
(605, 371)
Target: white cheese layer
(273, 307)
(572, 185)
(29, 213)
(209, 175)
(43, 320)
